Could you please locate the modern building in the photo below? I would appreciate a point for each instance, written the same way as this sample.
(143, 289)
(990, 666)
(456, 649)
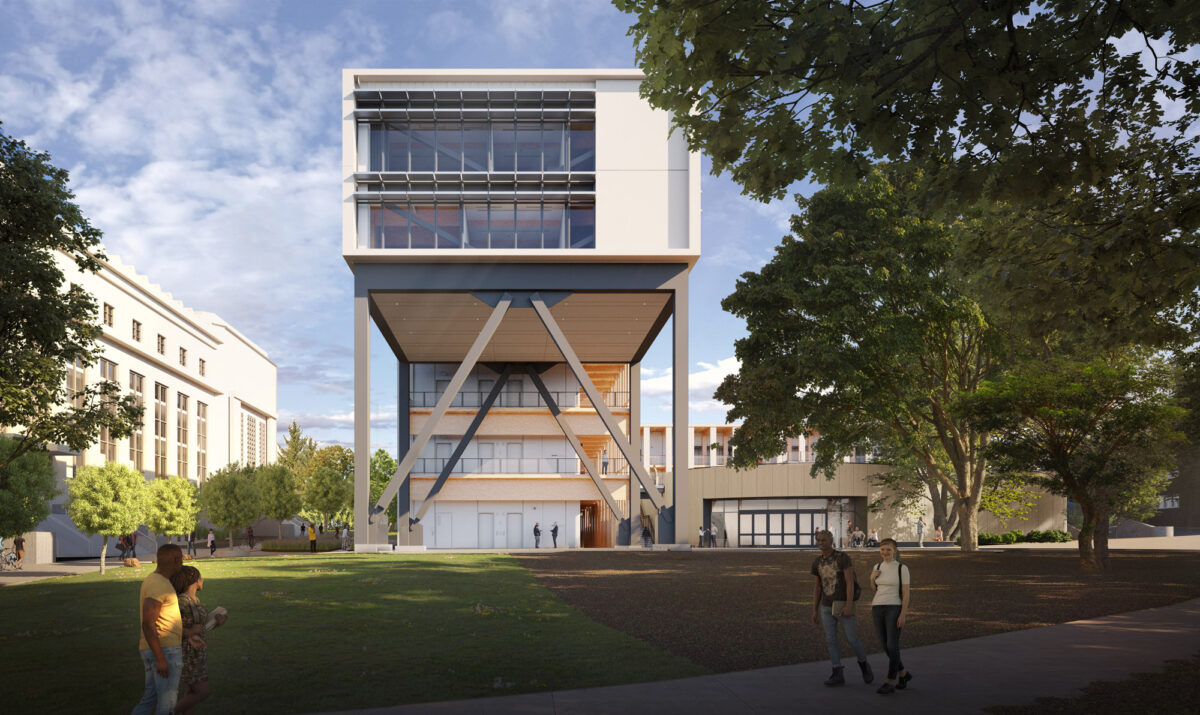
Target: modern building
(209, 392)
(519, 238)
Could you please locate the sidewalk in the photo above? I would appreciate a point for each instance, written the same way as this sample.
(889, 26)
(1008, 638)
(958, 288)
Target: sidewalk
(958, 677)
(37, 572)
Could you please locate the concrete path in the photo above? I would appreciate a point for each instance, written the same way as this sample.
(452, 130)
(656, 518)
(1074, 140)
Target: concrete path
(958, 677)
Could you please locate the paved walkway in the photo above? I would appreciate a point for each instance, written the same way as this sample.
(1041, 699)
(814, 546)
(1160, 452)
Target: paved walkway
(958, 677)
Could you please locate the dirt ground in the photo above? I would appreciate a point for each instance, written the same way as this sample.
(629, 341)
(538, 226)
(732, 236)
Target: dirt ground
(734, 610)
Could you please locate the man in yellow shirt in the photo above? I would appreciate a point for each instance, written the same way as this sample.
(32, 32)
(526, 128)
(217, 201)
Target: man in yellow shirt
(162, 633)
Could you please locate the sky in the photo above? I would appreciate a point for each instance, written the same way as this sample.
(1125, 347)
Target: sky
(203, 139)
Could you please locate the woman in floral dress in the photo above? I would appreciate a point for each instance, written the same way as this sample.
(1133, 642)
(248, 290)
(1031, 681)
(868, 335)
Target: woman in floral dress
(194, 679)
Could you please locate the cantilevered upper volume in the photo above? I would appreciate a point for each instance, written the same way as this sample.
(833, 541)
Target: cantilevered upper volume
(513, 166)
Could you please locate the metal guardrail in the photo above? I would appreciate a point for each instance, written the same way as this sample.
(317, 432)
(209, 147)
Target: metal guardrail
(523, 465)
(524, 398)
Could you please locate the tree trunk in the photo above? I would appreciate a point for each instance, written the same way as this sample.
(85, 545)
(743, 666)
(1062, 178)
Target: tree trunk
(968, 519)
(231, 537)
(1087, 557)
(281, 528)
(103, 554)
(1100, 539)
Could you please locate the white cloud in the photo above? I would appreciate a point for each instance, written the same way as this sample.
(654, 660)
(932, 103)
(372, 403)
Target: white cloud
(701, 385)
(335, 420)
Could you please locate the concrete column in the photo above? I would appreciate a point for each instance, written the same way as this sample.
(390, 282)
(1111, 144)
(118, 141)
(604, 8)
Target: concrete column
(366, 534)
(691, 447)
(668, 451)
(403, 437)
(712, 437)
(630, 530)
(674, 529)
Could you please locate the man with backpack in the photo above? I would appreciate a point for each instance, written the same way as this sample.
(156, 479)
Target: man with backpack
(835, 590)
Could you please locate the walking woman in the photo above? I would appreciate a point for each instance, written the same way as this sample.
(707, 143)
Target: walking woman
(188, 583)
(889, 609)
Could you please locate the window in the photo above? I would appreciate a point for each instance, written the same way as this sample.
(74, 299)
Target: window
(201, 363)
(76, 384)
(181, 433)
(137, 387)
(108, 445)
(108, 315)
(137, 331)
(251, 441)
(183, 356)
(528, 145)
(160, 429)
(162, 345)
(499, 224)
(201, 441)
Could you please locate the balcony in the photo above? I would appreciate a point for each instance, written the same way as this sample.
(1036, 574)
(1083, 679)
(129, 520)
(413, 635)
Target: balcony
(521, 399)
(563, 466)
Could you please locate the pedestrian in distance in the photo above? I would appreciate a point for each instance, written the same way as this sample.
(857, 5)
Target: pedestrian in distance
(700, 541)
(133, 545)
(162, 634)
(937, 535)
(250, 537)
(835, 590)
(554, 533)
(212, 543)
(312, 539)
(604, 461)
(19, 548)
(889, 609)
(345, 537)
(188, 582)
(920, 532)
(191, 543)
(537, 535)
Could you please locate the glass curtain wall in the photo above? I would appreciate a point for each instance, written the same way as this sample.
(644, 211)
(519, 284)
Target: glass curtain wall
(499, 224)
(545, 146)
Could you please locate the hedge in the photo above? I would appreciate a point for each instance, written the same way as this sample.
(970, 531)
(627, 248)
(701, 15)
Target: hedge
(1029, 537)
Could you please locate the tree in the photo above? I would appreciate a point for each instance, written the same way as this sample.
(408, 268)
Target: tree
(26, 488)
(383, 467)
(44, 326)
(328, 492)
(277, 493)
(110, 500)
(230, 498)
(340, 460)
(858, 331)
(172, 506)
(297, 453)
(1102, 432)
(1080, 113)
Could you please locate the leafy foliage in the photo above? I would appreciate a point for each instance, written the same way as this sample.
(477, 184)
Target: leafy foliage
(26, 488)
(859, 331)
(278, 495)
(230, 498)
(111, 500)
(172, 506)
(297, 453)
(329, 492)
(383, 467)
(45, 327)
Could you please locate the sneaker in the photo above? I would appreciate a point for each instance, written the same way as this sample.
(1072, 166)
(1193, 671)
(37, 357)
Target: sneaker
(868, 674)
(903, 682)
(886, 689)
(836, 678)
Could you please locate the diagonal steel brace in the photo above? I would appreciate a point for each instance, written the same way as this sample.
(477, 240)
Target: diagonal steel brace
(614, 430)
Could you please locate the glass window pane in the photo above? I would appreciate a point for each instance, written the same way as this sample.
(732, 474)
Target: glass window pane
(776, 523)
(529, 226)
(760, 539)
(449, 147)
(529, 147)
(789, 539)
(395, 226)
(376, 227)
(504, 146)
(376, 150)
(554, 226)
(449, 234)
(760, 523)
(477, 227)
(475, 147)
(395, 148)
(746, 525)
(583, 146)
(554, 146)
(422, 220)
(583, 226)
(503, 226)
(422, 150)
(789, 523)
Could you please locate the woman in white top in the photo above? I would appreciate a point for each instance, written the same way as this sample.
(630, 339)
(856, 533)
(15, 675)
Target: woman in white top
(891, 583)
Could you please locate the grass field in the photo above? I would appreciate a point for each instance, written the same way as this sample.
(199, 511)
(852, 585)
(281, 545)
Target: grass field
(332, 632)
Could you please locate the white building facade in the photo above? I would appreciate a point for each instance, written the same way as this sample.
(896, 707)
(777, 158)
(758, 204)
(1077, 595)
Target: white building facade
(209, 393)
(519, 237)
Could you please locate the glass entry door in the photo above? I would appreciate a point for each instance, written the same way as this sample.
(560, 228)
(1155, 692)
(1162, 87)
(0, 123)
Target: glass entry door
(780, 528)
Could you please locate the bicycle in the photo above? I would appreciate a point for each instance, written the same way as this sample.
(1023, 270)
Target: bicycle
(8, 560)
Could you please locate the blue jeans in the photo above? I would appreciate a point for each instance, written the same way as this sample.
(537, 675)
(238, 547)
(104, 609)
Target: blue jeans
(849, 627)
(889, 635)
(161, 693)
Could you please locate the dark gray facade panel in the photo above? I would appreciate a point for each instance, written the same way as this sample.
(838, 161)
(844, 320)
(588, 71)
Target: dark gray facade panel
(475, 277)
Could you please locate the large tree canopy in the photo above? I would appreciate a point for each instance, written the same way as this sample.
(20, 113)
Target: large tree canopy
(44, 325)
(111, 500)
(858, 331)
(26, 488)
(1080, 113)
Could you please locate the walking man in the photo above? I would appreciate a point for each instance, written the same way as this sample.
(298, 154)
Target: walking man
(554, 534)
(161, 641)
(537, 535)
(212, 544)
(312, 539)
(191, 543)
(834, 594)
(345, 537)
(604, 461)
(133, 545)
(920, 532)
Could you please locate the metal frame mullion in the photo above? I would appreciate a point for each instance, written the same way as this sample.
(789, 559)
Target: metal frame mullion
(452, 462)
(575, 444)
(456, 383)
(614, 430)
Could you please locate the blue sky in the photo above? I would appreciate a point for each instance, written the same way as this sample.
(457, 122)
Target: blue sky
(203, 138)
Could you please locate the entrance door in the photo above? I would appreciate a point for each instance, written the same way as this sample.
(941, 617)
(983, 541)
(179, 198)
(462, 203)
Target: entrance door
(487, 531)
(516, 530)
(444, 530)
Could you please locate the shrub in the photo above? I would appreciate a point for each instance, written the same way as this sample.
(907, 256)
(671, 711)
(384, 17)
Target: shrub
(986, 539)
(1013, 537)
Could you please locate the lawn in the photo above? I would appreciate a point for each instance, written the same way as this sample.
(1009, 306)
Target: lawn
(312, 633)
(341, 631)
